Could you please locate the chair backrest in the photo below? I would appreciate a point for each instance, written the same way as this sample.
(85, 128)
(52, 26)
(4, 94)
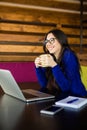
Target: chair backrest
(83, 62)
(84, 75)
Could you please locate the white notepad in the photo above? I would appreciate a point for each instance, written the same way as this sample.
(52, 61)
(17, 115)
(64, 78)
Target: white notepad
(72, 102)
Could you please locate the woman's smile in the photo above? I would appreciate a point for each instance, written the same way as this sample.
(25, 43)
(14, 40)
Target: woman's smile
(52, 45)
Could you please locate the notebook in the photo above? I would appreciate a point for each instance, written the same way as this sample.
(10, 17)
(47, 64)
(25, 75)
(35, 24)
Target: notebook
(10, 87)
(72, 102)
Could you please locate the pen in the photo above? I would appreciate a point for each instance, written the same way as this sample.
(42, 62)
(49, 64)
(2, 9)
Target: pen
(73, 100)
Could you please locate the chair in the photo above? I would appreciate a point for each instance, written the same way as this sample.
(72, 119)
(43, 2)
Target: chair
(84, 75)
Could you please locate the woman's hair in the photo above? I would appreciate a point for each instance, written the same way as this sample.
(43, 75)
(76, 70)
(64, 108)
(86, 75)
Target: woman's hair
(60, 36)
(63, 41)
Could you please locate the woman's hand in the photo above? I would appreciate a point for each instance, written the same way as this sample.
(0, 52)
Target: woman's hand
(45, 60)
(37, 62)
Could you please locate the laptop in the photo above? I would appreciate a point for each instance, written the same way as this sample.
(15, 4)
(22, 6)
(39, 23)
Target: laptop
(10, 87)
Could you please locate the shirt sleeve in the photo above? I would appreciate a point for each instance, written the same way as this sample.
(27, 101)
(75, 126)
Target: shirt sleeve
(71, 70)
(41, 76)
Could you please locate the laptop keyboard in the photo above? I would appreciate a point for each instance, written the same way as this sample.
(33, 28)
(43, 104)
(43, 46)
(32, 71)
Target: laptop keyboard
(28, 95)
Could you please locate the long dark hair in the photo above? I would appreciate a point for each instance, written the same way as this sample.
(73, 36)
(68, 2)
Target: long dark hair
(62, 39)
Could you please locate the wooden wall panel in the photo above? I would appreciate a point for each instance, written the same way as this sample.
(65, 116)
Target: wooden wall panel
(17, 58)
(20, 38)
(22, 30)
(20, 48)
(25, 28)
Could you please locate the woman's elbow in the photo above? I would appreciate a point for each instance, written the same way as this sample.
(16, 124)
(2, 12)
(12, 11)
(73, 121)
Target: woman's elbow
(65, 87)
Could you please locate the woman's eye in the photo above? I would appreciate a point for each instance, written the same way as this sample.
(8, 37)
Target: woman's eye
(52, 40)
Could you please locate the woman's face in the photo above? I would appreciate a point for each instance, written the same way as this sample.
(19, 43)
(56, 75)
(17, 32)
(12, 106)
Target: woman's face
(52, 45)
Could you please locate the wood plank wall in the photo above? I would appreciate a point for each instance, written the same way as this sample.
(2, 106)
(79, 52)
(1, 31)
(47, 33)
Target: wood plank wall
(22, 31)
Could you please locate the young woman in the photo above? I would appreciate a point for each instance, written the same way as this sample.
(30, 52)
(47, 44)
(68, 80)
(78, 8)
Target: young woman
(58, 70)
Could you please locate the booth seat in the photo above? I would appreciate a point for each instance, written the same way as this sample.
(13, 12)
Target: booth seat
(25, 71)
(84, 75)
(22, 71)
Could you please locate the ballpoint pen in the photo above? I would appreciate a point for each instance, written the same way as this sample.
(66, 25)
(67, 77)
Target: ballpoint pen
(73, 100)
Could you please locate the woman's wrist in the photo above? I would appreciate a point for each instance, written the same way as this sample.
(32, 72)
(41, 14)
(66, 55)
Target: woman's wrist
(54, 64)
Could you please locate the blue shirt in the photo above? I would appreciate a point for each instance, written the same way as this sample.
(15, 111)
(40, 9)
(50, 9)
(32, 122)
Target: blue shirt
(69, 81)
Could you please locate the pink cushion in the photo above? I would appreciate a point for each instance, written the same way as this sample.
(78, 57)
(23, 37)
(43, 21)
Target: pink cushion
(22, 71)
